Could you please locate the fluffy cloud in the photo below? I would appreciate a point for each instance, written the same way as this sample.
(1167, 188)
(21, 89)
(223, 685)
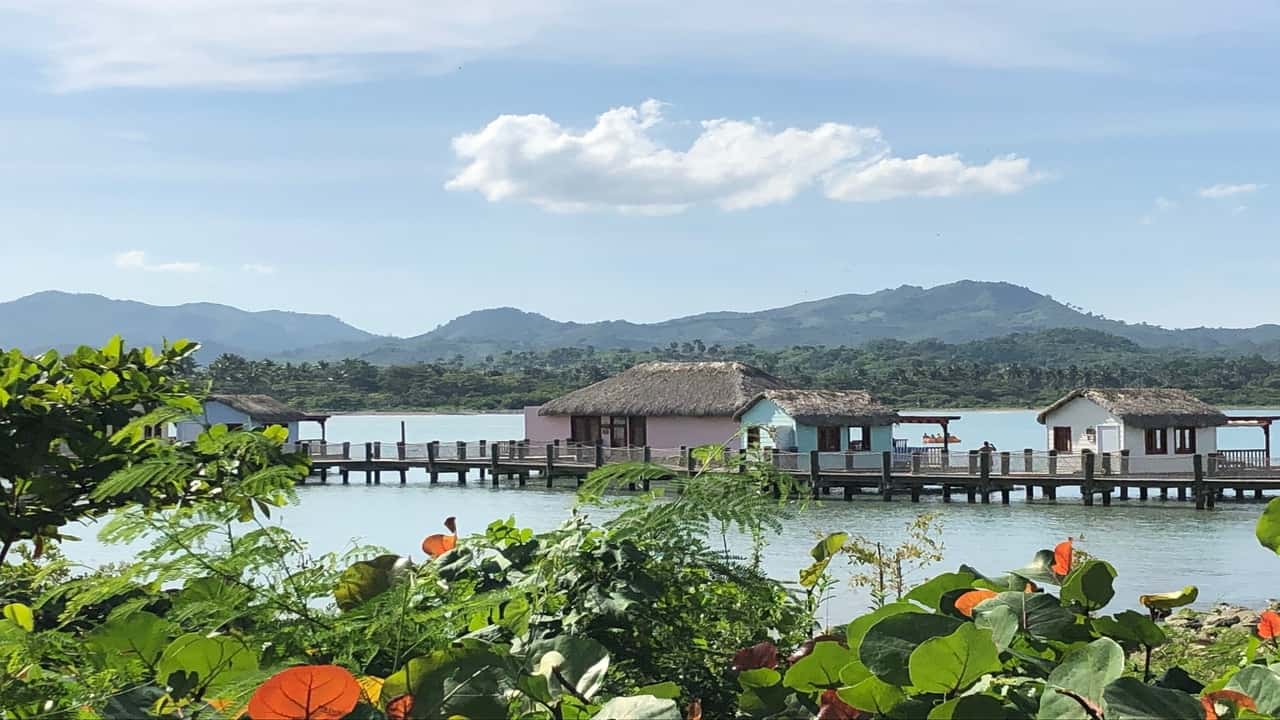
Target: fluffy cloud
(1222, 190)
(619, 164)
(268, 43)
(137, 260)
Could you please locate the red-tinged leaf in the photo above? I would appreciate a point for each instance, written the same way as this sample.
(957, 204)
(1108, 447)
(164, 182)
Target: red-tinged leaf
(760, 655)
(1269, 625)
(807, 647)
(695, 710)
(972, 599)
(400, 708)
(306, 692)
(452, 523)
(833, 708)
(1234, 698)
(439, 544)
(1062, 558)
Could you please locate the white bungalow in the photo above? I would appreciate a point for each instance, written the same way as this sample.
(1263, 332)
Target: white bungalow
(822, 420)
(1161, 428)
(247, 412)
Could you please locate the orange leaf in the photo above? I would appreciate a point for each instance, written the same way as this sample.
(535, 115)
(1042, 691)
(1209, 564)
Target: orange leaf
(439, 544)
(306, 692)
(400, 708)
(1269, 625)
(970, 600)
(1228, 697)
(1062, 558)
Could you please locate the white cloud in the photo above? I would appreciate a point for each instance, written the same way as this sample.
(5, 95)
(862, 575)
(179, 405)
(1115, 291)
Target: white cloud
(258, 268)
(1161, 205)
(619, 164)
(1223, 190)
(137, 260)
(271, 43)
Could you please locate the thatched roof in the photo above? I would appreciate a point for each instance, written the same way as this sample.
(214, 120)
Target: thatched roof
(1147, 407)
(262, 408)
(828, 407)
(656, 389)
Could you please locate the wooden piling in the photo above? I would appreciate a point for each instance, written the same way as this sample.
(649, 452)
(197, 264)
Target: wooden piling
(648, 459)
(1124, 463)
(1053, 463)
(1086, 488)
(1004, 462)
(886, 475)
(1197, 487)
(917, 461)
(984, 476)
(493, 463)
(815, 475)
(432, 474)
(1028, 460)
(404, 475)
(550, 466)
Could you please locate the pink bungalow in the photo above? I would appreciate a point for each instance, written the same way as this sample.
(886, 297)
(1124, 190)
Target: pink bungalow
(659, 404)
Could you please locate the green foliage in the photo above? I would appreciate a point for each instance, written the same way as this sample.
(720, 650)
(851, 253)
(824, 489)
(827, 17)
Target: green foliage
(1268, 528)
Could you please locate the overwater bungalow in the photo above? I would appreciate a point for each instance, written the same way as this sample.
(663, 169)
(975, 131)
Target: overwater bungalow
(659, 404)
(1161, 428)
(247, 412)
(822, 420)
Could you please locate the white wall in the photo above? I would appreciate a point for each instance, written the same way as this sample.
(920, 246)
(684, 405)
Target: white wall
(1139, 462)
(1080, 414)
(544, 428)
(215, 413)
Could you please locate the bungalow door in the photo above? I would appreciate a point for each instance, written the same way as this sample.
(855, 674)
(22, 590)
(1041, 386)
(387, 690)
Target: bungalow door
(1062, 439)
(829, 438)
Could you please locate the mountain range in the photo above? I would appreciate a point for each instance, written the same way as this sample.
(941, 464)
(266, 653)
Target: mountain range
(956, 312)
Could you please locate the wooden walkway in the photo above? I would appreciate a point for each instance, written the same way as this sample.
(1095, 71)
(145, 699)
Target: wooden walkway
(975, 476)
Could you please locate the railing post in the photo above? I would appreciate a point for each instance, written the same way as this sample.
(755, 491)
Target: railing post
(1086, 488)
(774, 460)
(599, 459)
(346, 450)
(431, 462)
(511, 449)
(462, 449)
(1106, 463)
(550, 460)
(1004, 462)
(1197, 485)
(815, 474)
(1212, 465)
(848, 460)
(1028, 460)
(973, 462)
(886, 475)
(742, 460)
(377, 449)
(493, 464)
(647, 457)
(917, 460)
(686, 459)
(984, 472)
(1124, 462)
(400, 450)
(1053, 463)
(484, 449)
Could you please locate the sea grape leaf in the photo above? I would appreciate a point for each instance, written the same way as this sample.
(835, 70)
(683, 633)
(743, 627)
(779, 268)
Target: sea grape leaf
(1087, 672)
(759, 678)
(20, 615)
(1002, 623)
(638, 707)
(819, 669)
(367, 579)
(1268, 527)
(969, 707)
(1130, 699)
(1090, 585)
(857, 629)
(664, 690)
(140, 636)
(873, 695)
(953, 662)
(1260, 683)
(1039, 614)
(822, 554)
(1039, 570)
(213, 660)
(468, 679)
(930, 593)
(886, 649)
(1131, 628)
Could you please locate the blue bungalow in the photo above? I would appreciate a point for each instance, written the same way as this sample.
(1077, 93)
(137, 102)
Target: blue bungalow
(822, 420)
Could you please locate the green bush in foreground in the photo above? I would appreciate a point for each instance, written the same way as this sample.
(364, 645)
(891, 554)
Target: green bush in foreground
(222, 614)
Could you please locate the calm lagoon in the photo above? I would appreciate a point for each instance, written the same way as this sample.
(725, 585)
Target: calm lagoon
(1155, 546)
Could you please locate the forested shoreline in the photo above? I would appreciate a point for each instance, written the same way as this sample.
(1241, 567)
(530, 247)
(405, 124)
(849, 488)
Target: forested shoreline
(1020, 370)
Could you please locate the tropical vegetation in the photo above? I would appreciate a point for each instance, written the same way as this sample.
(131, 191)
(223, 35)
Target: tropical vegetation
(222, 613)
(1021, 370)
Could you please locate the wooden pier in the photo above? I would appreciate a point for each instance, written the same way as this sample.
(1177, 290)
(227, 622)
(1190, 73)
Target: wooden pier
(977, 477)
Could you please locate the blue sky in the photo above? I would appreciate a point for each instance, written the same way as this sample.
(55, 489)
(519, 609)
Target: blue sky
(397, 165)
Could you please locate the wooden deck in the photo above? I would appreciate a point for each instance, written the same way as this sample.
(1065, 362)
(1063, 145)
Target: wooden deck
(975, 476)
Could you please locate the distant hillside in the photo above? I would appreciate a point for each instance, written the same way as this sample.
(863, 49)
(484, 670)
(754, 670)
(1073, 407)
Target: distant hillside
(953, 313)
(65, 320)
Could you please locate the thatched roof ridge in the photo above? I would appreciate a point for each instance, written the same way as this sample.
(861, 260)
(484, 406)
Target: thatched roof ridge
(828, 407)
(1147, 407)
(262, 408)
(657, 389)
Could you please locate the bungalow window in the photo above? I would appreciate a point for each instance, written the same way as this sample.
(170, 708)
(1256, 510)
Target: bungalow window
(753, 436)
(863, 443)
(1158, 441)
(1184, 440)
(584, 429)
(829, 438)
(1062, 438)
(637, 432)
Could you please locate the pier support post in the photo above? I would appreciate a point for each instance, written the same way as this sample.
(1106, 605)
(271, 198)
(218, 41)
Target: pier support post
(1257, 493)
(946, 493)
(1124, 462)
(550, 468)
(377, 449)
(917, 461)
(599, 457)
(432, 451)
(648, 459)
(493, 464)
(773, 485)
(1051, 492)
(400, 450)
(1086, 488)
(984, 476)
(1164, 492)
(377, 477)
(1142, 492)
(886, 475)
(1030, 491)
(346, 480)
(1182, 493)
(815, 475)
(1197, 485)
(1124, 492)
(368, 468)
(971, 493)
(1004, 495)
(404, 475)
(324, 475)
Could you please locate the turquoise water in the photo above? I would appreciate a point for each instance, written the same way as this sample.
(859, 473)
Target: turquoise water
(1155, 546)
